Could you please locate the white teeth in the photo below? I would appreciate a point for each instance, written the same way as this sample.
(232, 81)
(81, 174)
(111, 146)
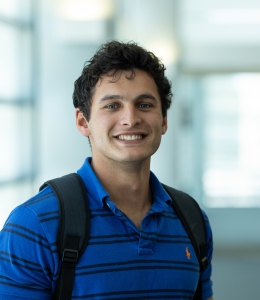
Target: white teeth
(130, 137)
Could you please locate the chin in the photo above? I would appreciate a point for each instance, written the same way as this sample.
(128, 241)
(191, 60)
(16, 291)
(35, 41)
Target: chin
(134, 158)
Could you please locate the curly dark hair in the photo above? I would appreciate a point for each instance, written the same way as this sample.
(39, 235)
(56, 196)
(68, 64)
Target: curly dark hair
(116, 56)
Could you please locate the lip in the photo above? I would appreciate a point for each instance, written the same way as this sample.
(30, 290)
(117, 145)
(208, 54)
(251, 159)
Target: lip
(130, 133)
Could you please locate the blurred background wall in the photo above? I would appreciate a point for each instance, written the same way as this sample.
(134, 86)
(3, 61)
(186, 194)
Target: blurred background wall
(211, 150)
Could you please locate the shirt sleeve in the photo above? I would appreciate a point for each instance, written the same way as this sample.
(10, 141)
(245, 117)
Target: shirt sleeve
(27, 259)
(207, 290)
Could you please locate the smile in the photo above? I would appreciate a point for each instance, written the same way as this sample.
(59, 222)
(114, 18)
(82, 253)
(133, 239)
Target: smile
(130, 137)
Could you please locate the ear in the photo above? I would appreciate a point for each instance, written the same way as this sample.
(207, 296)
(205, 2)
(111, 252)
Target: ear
(164, 125)
(82, 123)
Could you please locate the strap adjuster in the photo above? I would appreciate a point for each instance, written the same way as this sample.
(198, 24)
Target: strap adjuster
(204, 262)
(70, 256)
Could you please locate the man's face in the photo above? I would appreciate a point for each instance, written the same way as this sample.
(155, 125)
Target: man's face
(126, 122)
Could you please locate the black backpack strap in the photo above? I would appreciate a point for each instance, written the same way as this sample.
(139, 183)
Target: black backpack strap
(74, 228)
(192, 220)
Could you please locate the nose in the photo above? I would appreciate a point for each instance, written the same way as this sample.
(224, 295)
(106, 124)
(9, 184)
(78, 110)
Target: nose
(130, 117)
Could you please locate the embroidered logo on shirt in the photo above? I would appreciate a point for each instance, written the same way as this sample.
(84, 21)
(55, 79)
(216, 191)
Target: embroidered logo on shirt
(187, 253)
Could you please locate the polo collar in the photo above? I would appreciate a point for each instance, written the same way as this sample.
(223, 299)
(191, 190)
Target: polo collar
(98, 192)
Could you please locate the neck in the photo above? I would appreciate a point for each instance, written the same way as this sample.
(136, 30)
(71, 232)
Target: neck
(127, 185)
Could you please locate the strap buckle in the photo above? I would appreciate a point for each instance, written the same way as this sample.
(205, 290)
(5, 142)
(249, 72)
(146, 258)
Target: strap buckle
(70, 256)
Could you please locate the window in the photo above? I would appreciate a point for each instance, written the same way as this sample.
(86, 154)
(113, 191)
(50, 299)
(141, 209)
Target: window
(16, 104)
(231, 167)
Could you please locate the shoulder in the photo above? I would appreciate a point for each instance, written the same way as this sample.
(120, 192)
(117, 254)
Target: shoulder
(44, 200)
(36, 220)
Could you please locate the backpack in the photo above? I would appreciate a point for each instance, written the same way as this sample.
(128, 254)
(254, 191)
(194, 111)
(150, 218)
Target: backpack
(74, 228)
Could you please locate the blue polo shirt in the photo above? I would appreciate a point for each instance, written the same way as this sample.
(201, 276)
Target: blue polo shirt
(120, 261)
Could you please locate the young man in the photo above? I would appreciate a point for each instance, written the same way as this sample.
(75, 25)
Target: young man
(137, 248)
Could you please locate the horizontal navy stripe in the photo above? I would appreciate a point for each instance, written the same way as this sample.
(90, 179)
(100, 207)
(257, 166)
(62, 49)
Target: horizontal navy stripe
(169, 214)
(27, 237)
(27, 231)
(135, 236)
(138, 269)
(20, 265)
(150, 297)
(142, 297)
(102, 215)
(140, 292)
(48, 213)
(49, 219)
(111, 242)
(44, 240)
(40, 269)
(167, 241)
(166, 235)
(20, 259)
(39, 198)
(26, 287)
(111, 236)
(131, 262)
(90, 243)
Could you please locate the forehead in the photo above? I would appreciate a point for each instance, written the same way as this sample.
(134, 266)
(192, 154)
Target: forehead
(126, 83)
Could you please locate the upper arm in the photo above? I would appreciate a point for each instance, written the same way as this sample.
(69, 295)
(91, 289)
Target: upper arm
(26, 257)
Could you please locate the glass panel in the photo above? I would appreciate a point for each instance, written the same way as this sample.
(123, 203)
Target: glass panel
(15, 9)
(231, 176)
(9, 8)
(15, 136)
(26, 64)
(15, 63)
(10, 62)
(12, 195)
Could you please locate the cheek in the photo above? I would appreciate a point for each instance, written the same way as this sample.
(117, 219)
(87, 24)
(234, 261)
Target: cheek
(157, 122)
(101, 126)
(107, 122)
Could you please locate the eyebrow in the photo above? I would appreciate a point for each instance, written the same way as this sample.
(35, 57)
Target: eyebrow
(110, 97)
(118, 97)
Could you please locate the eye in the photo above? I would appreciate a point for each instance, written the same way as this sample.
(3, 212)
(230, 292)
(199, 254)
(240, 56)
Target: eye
(144, 105)
(112, 106)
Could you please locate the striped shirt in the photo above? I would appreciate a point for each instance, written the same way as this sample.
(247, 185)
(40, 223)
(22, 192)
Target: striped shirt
(120, 261)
